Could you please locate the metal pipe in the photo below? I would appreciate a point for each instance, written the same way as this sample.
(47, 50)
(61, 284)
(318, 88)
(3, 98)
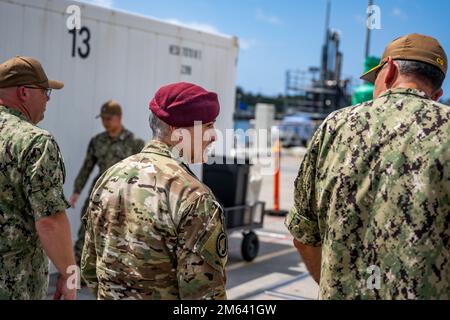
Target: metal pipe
(368, 31)
(324, 67)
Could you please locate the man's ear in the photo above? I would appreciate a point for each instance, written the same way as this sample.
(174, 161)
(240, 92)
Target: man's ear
(392, 73)
(21, 93)
(437, 95)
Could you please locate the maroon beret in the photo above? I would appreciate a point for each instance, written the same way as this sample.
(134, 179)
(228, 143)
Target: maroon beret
(181, 104)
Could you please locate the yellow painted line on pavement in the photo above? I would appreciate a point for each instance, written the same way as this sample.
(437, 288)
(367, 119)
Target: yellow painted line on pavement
(261, 259)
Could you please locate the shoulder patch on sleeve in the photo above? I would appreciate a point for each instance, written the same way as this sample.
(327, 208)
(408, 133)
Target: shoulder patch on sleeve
(222, 245)
(212, 245)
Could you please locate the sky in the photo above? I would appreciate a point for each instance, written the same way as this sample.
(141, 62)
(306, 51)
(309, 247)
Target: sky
(277, 35)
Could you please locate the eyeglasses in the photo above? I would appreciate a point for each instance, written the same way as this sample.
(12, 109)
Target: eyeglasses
(48, 92)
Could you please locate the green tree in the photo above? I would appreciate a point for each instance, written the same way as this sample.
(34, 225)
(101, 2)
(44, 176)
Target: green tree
(252, 99)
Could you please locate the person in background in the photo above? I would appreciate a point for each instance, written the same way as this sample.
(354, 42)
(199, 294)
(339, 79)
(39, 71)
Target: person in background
(104, 150)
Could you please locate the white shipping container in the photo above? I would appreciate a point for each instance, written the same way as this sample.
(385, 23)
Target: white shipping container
(114, 55)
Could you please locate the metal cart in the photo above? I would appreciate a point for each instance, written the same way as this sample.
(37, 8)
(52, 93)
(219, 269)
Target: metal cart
(228, 180)
(246, 219)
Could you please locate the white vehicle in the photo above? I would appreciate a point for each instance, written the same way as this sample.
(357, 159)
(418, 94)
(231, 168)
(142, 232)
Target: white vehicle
(298, 129)
(111, 55)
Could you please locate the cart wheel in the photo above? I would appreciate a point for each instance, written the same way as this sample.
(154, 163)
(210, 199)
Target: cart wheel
(250, 246)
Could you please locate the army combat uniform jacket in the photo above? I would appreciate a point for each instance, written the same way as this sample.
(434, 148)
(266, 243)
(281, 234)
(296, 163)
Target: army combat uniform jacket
(374, 191)
(31, 187)
(154, 231)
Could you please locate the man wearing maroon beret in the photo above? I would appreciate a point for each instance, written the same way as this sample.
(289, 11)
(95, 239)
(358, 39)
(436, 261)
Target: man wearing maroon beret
(153, 230)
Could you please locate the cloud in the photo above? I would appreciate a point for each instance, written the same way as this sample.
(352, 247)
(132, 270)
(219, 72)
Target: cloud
(261, 16)
(247, 44)
(208, 28)
(101, 3)
(397, 12)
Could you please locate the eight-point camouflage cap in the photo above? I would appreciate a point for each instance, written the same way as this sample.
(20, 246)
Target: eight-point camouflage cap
(21, 71)
(110, 108)
(414, 47)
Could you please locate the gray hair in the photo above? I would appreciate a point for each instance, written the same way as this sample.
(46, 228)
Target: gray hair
(160, 129)
(422, 71)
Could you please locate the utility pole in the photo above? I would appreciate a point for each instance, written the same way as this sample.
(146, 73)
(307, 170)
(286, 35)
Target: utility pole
(368, 31)
(324, 67)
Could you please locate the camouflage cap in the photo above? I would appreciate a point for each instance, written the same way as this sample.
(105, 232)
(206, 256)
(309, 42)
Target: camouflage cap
(414, 47)
(110, 108)
(21, 71)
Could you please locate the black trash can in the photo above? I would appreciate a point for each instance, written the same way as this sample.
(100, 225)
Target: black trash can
(228, 179)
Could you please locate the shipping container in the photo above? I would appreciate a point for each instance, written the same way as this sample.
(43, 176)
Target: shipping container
(111, 55)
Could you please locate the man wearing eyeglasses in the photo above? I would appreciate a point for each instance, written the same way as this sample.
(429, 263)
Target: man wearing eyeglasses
(33, 221)
(372, 197)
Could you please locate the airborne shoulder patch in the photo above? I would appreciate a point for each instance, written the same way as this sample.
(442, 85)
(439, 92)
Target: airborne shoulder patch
(212, 245)
(222, 245)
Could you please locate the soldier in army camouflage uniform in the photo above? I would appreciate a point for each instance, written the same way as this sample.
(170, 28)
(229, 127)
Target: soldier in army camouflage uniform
(372, 197)
(104, 150)
(154, 231)
(33, 222)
